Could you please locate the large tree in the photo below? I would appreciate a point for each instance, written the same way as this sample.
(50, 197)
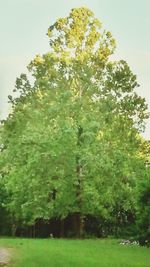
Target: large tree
(70, 145)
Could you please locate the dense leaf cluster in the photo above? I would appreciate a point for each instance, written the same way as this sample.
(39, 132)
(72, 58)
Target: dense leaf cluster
(71, 143)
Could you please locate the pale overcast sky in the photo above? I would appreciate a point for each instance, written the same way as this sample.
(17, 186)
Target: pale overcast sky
(24, 23)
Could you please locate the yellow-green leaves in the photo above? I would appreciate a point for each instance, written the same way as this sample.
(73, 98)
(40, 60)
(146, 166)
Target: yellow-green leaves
(80, 35)
(38, 60)
(73, 132)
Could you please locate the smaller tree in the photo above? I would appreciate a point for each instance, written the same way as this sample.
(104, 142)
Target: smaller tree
(143, 209)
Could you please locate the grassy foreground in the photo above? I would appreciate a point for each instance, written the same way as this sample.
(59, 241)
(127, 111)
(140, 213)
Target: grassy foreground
(75, 253)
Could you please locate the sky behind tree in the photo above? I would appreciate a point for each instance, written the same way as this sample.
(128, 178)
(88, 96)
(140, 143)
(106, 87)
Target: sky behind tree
(23, 27)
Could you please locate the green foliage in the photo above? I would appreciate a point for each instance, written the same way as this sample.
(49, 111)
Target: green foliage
(5, 228)
(71, 144)
(143, 209)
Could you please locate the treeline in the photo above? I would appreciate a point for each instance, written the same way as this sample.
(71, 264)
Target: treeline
(133, 225)
(73, 162)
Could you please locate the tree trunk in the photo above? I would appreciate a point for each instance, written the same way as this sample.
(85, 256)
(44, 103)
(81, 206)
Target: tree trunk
(62, 224)
(33, 231)
(78, 224)
(78, 217)
(14, 229)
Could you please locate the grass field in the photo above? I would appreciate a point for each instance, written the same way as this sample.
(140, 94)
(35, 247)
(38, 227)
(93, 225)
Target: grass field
(75, 253)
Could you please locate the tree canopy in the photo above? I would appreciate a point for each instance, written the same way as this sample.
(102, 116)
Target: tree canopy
(71, 144)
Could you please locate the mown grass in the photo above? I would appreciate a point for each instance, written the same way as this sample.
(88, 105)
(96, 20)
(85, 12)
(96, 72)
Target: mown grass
(75, 253)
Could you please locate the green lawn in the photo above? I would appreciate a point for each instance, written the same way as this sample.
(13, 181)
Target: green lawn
(75, 253)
